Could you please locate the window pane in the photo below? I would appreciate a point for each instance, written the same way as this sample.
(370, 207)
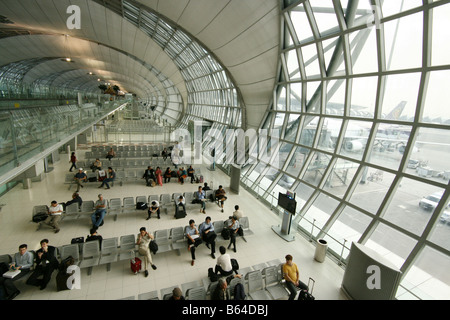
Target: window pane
(407, 207)
(371, 189)
(441, 33)
(340, 177)
(319, 211)
(437, 95)
(387, 149)
(429, 157)
(363, 97)
(428, 277)
(400, 96)
(355, 139)
(391, 244)
(406, 52)
(349, 226)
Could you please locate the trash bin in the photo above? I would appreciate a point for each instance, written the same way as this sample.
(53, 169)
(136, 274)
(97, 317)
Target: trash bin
(321, 250)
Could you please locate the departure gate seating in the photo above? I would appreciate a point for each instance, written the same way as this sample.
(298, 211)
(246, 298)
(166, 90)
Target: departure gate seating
(127, 205)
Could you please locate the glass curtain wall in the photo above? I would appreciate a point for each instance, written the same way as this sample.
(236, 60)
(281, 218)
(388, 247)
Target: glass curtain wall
(211, 94)
(364, 129)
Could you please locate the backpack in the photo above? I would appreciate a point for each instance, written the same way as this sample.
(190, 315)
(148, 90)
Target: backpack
(239, 293)
(40, 216)
(153, 246)
(234, 265)
(141, 206)
(212, 275)
(225, 234)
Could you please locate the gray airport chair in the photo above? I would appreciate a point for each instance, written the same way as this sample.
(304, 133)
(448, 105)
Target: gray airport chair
(256, 289)
(72, 211)
(273, 283)
(87, 207)
(178, 239)
(153, 295)
(109, 252)
(127, 247)
(70, 250)
(115, 207)
(128, 206)
(198, 293)
(162, 239)
(90, 255)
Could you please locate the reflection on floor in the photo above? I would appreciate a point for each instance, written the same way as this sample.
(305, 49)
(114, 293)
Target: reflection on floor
(120, 282)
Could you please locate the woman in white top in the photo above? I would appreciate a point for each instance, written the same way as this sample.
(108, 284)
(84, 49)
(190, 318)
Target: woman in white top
(143, 240)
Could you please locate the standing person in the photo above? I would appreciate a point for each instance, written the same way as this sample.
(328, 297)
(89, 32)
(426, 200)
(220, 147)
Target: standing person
(193, 239)
(143, 241)
(234, 228)
(190, 173)
(223, 264)
(23, 261)
(208, 235)
(220, 196)
(291, 275)
(99, 213)
(200, 195)
(111, 177)
(167, 175)
(46, 263)
(54, 215)
(158, 174)
(154, 208)
(73, 160)
(80, 177)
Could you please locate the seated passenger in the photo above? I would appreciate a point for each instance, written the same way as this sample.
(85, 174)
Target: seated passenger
(220, 196)
(111, 177)
(75, 199)
(190, 173)
(200, 197)
(154, 208)
(93, 236)
(97, 165)
(149, 175)
(167, 175)
(111, 154)
(80, 177)
(46, 263)
(23, 261)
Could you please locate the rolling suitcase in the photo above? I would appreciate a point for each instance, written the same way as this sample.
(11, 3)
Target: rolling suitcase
(306, 295)
(136, 264)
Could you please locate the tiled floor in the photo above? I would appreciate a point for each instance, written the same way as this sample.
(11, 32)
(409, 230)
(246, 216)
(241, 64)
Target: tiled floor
(120, 282)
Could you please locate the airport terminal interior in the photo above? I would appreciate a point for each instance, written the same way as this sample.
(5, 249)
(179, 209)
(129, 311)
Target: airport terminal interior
(340, 104)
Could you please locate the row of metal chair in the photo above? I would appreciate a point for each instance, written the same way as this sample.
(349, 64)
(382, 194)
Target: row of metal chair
(261, 282)
(156, 148)
(126, 205)
(125, 173)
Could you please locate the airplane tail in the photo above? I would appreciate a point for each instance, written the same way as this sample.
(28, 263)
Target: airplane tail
(396, 112)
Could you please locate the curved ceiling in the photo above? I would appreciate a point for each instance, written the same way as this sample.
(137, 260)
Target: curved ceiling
(243, 36)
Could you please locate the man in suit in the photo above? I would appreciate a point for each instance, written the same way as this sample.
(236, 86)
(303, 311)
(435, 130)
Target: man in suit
(46, 263)
(149, 174)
